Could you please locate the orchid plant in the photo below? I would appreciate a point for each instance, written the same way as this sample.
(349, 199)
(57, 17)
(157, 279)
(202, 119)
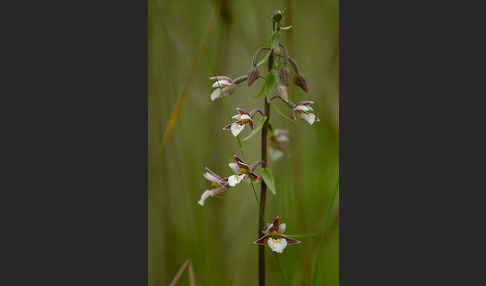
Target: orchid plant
(275, 86)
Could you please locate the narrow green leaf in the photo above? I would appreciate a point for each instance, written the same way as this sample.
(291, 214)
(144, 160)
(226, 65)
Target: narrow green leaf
(267, 86)
(264, 59)
(268, 179)
(257, 128)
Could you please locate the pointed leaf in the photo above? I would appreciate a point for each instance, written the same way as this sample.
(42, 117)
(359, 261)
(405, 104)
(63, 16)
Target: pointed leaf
(268, 179)
(257, 128)
(267, 86)
(264, 59)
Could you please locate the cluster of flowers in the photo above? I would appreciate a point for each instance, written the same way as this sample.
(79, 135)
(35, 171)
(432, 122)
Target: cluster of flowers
(224, 86)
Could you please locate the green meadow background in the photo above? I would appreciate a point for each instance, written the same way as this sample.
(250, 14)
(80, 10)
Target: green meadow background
(189, 41)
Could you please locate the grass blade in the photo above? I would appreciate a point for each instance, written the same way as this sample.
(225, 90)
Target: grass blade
(192, 279)
(179, 273)
(195, 61)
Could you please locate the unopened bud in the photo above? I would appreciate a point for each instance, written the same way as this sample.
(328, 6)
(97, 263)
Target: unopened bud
(277, 16)
(284, 75)
(282, 92)
(299, 80)
(240, 79)
(253, 74)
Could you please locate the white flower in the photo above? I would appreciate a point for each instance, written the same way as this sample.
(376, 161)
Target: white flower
(277, 244)
(303, 110)
(224, 86)
(243, 118)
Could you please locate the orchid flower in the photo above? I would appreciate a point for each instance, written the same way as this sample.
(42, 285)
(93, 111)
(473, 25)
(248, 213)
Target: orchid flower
(242, 170)
(302, 110)
(274, 238)
(224, 86)
(277, 138)
(219, 184)
(243, 118)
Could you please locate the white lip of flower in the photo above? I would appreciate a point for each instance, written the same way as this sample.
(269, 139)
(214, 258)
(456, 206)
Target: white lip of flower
(277, 245)
(204, 196)
(237, 128)
(233, 180)
(309, 117)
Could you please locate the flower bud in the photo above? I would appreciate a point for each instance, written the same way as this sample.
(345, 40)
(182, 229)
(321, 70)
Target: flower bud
(284, 75)
(299, 80)
(277, 16)
(240, 79)
(253, 74)
(282, 92)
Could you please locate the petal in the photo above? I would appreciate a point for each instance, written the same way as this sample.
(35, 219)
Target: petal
(228, 89)
(306, 102)
(227, 127)
(221, 77)
(245, 117)
(237, 128)
(291, 240)
(254, 177)
(276, 222)
(281, 228)
(309, 117)
(204, 196)
(277, 244)
(234, 167)
(211, 176)
(242, 111)
(269, 226)
(215, 94)
(302, 108)
(221, 83)
(261, 240)
(241, 163)
(236, 179)
(218, 192)
(236, 117)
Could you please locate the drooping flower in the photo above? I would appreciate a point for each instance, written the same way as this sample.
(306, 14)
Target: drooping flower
(242, 170)
(277, 138)
(243, 118)
(302, 110)
(274, 238)
(219, 186)
(224, 86)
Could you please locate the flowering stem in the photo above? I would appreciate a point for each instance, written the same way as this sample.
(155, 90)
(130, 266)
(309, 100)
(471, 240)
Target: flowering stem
(263, 196)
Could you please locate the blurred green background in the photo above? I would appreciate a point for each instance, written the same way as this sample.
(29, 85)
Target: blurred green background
(189, 41)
